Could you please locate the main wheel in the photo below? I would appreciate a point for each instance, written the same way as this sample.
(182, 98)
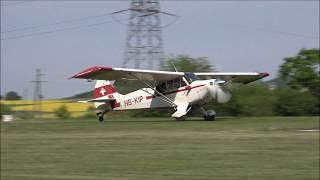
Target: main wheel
(209, 118)
(182, 118)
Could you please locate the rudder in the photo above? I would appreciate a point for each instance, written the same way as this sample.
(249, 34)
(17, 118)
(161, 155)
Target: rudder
(106, 89)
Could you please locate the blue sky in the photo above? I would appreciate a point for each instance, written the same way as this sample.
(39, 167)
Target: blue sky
(235, 36)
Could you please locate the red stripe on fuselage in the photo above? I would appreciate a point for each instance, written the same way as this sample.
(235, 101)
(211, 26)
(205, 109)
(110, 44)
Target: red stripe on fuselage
(172, 92)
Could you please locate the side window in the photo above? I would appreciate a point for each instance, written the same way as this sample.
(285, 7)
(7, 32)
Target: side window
(162, 87)
(172, 84)
(175, 83)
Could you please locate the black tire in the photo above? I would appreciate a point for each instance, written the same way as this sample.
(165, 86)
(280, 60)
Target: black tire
(209, 118)
(182, 118)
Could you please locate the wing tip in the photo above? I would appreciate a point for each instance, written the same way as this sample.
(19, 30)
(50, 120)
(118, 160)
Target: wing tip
(83, 74)
(265, 74)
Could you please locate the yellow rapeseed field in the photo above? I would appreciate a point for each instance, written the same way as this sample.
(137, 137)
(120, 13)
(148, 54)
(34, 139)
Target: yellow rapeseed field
(49, 106)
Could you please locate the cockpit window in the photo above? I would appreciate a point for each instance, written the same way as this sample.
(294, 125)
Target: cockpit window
(170, 85)
(211, 83)
(190, 77)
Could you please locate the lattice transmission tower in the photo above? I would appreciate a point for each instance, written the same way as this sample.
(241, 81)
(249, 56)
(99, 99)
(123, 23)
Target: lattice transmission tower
(144, 45)
(38, 96)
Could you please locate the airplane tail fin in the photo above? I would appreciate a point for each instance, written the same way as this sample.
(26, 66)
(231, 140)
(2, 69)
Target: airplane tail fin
(105, 90)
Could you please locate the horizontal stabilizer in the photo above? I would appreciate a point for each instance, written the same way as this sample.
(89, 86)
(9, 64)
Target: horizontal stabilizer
(98, 100)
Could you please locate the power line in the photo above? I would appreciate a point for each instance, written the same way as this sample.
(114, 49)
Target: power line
(261, 29)
(105, 14)
(55, 23)
(58, 30)
(222, 23)
(15, 3)
(21, 2)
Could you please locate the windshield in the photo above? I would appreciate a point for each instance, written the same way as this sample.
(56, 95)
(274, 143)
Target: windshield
(190, 77)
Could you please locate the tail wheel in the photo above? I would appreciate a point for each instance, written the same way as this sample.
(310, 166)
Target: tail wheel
(100, 118)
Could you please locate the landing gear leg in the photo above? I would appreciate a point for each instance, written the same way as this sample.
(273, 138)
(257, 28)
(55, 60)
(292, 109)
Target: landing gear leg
(100, 116)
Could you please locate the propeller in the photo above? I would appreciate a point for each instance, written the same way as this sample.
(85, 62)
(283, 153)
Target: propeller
(219, 91)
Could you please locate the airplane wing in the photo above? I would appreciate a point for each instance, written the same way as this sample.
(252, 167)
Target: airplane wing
(131, 77)
(235, 77)
(121, 74)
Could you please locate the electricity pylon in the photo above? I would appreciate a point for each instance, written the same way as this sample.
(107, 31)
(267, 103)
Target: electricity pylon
(38, 96)
(144, 45)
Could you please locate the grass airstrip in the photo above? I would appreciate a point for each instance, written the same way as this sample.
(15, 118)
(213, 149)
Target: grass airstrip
(261, 148)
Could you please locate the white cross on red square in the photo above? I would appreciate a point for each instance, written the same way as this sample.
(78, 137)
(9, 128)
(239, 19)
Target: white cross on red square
(102, 91)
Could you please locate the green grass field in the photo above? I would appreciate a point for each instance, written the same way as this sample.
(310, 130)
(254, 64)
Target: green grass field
(158, 148)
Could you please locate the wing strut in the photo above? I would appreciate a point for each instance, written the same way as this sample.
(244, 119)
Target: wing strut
(165, 98)
(170, 102)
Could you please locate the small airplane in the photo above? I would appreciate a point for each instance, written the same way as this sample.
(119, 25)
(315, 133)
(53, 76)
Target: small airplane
(162, 89)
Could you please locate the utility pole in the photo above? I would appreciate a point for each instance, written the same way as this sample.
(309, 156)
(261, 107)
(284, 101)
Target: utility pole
(38, 96)
(144, 45)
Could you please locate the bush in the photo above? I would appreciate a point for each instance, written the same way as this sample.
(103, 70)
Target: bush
(158, 112)
(4, 109)
(62, 112)
(248, 100)
(231, 108)
(296, 103)
(255, 100)
(91, 113)
(24, 114)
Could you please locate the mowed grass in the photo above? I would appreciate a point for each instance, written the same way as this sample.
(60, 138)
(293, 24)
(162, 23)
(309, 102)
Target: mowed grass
(160, 148)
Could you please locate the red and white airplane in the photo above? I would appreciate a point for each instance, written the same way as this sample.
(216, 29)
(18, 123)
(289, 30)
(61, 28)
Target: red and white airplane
(158, 89)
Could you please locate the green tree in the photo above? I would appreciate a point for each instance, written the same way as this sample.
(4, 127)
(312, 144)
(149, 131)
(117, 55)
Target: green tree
(11, 95)
(62, 112)
(302, 71)
(186, 63)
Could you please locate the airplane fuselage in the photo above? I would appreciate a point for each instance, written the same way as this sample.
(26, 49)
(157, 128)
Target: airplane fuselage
(198, 92)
